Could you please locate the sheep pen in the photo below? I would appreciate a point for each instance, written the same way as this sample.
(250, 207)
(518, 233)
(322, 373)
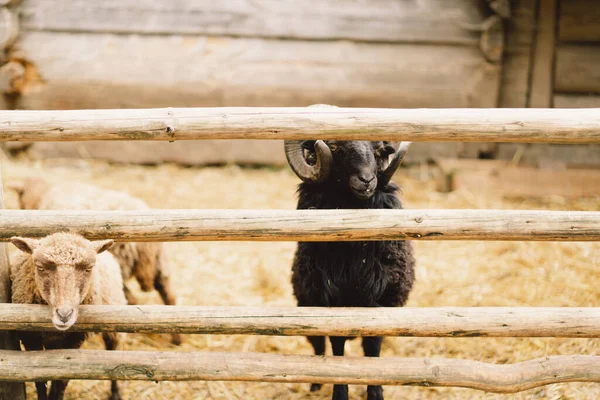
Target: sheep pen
(450, 273)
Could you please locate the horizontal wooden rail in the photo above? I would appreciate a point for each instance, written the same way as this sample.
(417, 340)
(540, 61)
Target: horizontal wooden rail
(257, 367)
(468, 125)
(319, 321)
(306, 225)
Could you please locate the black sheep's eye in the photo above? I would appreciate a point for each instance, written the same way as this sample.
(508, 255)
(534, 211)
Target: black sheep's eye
(333, 147)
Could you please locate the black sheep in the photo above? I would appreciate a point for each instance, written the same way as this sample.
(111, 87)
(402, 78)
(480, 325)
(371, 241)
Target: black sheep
(349, 175)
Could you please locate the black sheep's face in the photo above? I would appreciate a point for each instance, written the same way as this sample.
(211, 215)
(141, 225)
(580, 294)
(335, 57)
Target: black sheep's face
(356, 164)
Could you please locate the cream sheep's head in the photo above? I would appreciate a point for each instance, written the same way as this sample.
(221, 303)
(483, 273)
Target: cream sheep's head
(64, 264)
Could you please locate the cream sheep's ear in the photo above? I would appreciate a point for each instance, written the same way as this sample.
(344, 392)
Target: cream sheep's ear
(25, 244)
(18, 187)
(102, 245)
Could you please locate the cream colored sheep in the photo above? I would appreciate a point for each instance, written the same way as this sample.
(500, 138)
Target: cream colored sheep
(144, 260)
(64, 270)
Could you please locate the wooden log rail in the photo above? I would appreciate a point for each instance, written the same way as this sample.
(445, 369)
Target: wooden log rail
(475, 125)
(574, 322)
(256, 367)
(306, 225)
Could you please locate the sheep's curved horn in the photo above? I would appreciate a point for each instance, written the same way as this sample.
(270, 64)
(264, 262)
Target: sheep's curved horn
(309, 173)
(386, 175)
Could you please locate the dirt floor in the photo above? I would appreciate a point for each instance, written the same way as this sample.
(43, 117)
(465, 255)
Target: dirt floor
(258, 274)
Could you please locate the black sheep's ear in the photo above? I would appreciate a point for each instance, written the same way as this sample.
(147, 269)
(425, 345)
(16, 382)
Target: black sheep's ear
(308, 144)
(388, 148)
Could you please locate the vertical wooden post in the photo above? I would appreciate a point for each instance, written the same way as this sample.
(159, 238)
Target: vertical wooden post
(518, 55)
(8, 390)
(543, 57)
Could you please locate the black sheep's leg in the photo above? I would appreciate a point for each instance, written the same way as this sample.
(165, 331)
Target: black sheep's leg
(42, 390)
(318, 343)
(340, 392)
(57, 390)
(372, 348)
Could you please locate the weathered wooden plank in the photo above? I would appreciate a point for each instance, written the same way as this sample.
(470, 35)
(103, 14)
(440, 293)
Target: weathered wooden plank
(8, 391)
(577, 69)
(211, 152)
(556, 155)
(468, 125)
(495, 176)
(579, 21)
(551, 155)
(318, 321)
(189, 152)
(9, 28)
(306, 225)
(514, 90)
(543, 57)
(430, 21)
(131, 71)
(576, 101)
(259, 367)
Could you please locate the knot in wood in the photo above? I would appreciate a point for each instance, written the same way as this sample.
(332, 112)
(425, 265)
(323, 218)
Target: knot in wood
(130, 371)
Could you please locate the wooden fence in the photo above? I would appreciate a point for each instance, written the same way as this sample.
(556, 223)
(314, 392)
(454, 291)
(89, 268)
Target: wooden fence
(493, 125)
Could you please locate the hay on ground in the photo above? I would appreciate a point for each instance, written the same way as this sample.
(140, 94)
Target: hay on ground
(255, 274)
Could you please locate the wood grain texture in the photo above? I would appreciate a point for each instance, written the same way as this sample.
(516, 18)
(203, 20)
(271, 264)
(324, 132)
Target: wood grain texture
(496, 176)
(579, 21)
(543, 56)
(188, 152)
(430, 21)
(8, 341)
(517, 62)
(306, 225)
(557, 156)
(577, 69)
(9, 28)
(483, 125)
(576, 101)
(132, 71)
(257, 367)
(215, 152)
(4, 261)
(318, 321)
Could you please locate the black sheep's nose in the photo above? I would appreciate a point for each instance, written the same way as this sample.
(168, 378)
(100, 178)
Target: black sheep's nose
(366, 179)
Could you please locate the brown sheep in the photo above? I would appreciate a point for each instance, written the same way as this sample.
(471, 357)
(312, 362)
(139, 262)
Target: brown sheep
(144, 260)
(64, 270)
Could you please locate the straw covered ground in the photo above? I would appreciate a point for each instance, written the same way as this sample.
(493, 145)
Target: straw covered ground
(258, 274)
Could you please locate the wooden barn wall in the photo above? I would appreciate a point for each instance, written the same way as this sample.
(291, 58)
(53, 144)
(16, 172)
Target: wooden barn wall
(357, 53)
(577, 71)
(363, 53)
(551, 60)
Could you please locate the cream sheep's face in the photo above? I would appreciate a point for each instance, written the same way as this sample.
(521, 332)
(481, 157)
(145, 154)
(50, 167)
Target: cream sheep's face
(64, 265)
